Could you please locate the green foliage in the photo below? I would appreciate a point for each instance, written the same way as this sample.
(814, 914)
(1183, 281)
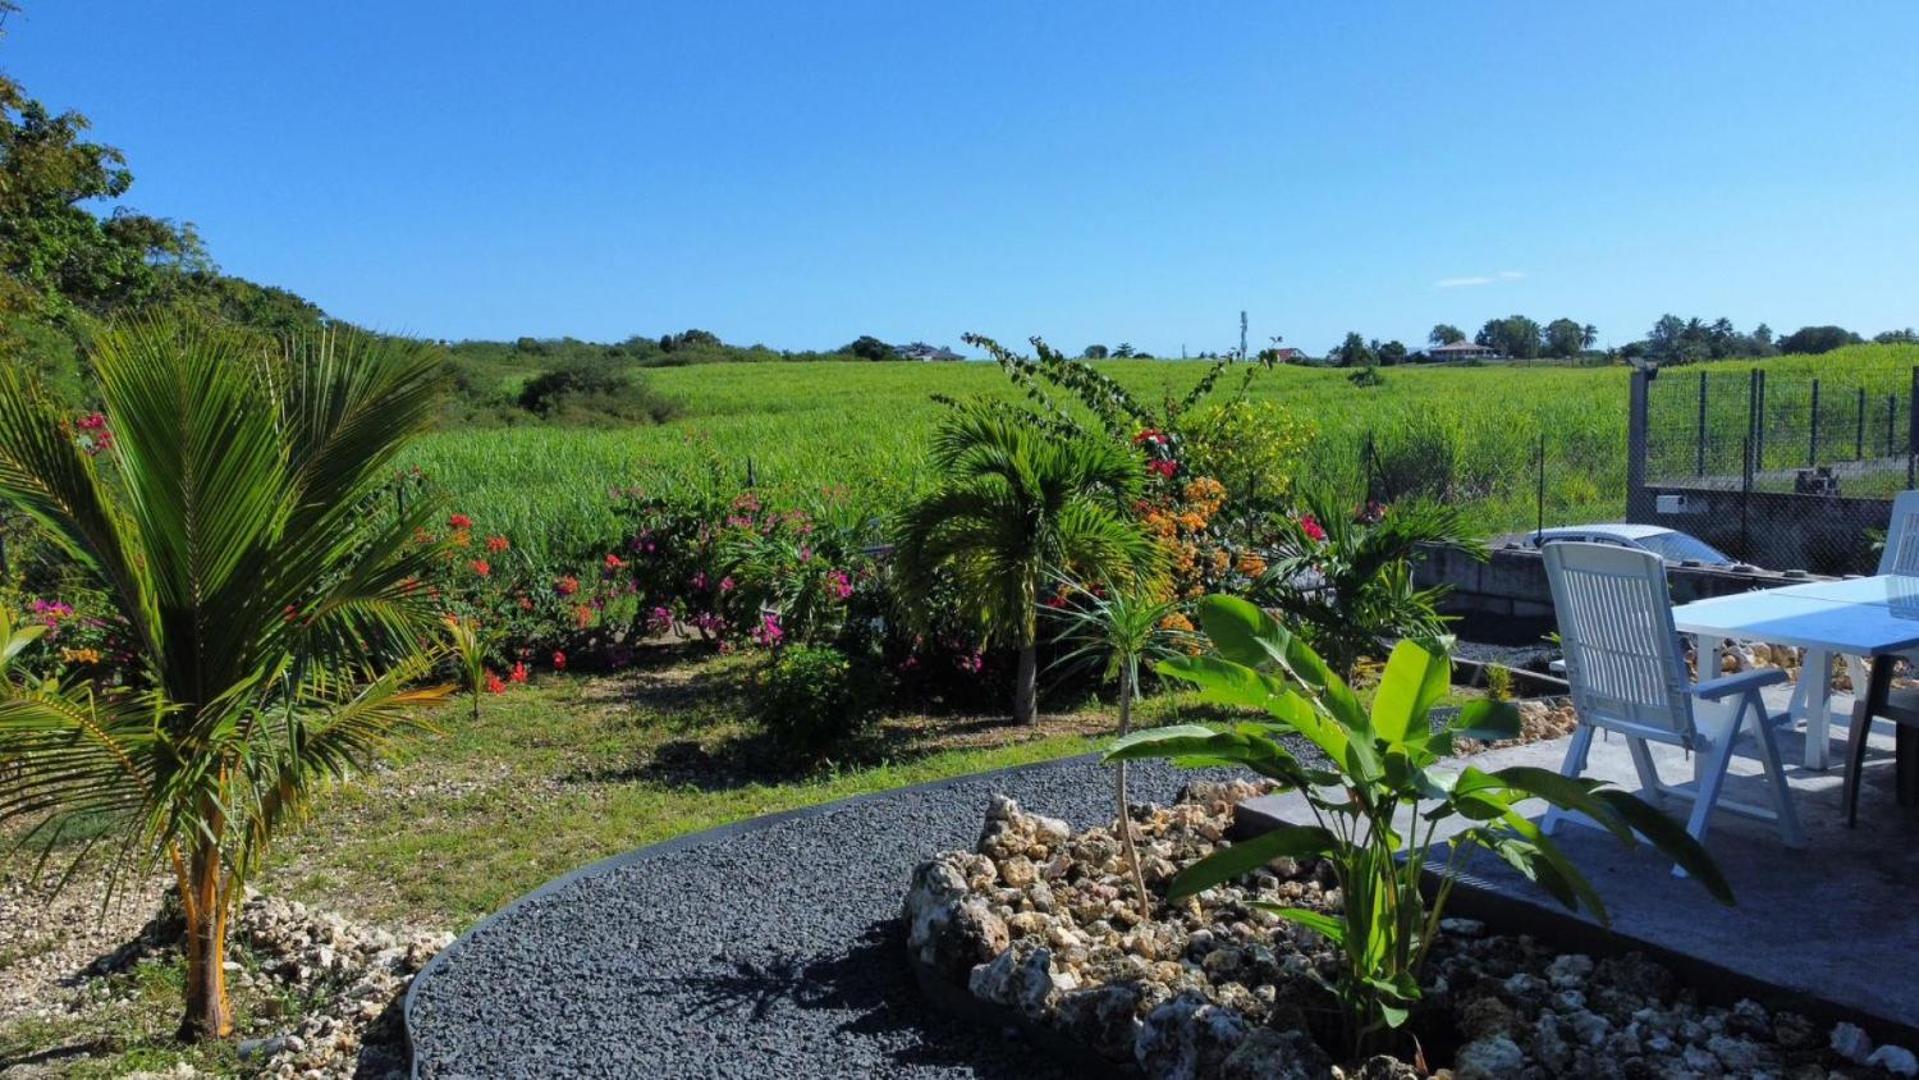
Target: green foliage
(1353, 352)
(1817, 339)
(868, 347)
(1445, 334)
(1015, 505)
(1515, 336)
(1254, 449)
(1377, 792)
(815, 698)
(593, 393)
(1366, 377)
(1344, 578)
(276, 618)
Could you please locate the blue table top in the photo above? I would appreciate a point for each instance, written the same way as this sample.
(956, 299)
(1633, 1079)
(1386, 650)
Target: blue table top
(1860, 616)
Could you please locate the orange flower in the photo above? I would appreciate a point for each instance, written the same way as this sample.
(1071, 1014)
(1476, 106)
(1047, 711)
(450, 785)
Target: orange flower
(481, 567)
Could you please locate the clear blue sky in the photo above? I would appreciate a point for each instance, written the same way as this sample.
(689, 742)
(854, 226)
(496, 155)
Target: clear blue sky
(801, 173)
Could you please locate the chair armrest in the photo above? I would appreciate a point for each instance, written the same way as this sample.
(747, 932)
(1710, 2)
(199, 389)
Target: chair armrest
(1728, 685)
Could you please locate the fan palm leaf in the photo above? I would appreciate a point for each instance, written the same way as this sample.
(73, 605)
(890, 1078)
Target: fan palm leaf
(1015, 504)
(279, 630)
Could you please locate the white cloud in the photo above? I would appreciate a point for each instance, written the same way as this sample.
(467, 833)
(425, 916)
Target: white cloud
(1478, 279)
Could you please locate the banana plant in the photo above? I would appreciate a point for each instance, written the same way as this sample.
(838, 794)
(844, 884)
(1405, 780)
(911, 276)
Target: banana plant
(1380, 789)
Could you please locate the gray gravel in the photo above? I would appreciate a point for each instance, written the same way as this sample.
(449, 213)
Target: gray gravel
(773, 951)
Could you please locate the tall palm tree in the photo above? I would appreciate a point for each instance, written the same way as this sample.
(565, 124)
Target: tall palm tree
(231, 518)
(1014, 505)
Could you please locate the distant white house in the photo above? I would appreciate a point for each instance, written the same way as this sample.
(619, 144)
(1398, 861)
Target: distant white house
(920, 350)
(1461, 350)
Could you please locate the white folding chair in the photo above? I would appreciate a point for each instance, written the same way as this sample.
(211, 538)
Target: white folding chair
(1901, 554)
(1627, 674)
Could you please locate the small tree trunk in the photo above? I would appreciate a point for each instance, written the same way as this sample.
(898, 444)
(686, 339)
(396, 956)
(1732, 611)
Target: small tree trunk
(1125, 815)
(208, 1015)
(1026, 693)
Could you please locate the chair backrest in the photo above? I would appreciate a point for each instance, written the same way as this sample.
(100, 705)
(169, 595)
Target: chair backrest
(1901, 555)
(1616, 632)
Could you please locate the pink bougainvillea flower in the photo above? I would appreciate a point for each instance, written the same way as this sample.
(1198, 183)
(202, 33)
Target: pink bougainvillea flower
(459, 521)
(1310, 525)
(494, 684)
(699, 581)
(842, 585)
(660, 620)
(559, 660)
(519, 672)
(769, 633)
(726, 584)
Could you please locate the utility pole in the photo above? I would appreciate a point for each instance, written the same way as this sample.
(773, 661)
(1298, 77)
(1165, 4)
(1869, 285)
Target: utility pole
(1242, 334)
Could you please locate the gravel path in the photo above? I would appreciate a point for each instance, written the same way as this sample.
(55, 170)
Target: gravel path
(770, 951)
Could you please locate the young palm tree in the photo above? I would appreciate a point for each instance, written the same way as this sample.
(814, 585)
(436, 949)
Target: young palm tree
(1015, 505)
(231, 517)
(1346, 580)
(1118, 629)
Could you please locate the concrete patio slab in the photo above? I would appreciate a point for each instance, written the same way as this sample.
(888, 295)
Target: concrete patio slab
(1837, 919)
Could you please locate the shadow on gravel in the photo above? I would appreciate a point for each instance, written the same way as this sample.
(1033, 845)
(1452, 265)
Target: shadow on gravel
(870, 981)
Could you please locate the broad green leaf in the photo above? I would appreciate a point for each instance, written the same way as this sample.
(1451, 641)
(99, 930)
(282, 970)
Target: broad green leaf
(1487, 721)
(1222, 682)
(1326, 926)
(1413, 681)
(1672, 841)
(1169, 741)
(1557, 873)
(1295, 841)
(1567, 793)
(1243, 633)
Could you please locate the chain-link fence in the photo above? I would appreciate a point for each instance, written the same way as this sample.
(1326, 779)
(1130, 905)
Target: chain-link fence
(1784, 471)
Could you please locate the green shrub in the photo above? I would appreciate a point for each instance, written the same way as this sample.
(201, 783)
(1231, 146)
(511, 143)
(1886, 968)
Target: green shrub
(814, 697)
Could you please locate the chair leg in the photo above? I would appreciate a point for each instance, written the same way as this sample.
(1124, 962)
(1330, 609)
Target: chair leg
(1574, 764)
(1878, 683)
(1755, 708)
(1648, 773)
(1712, 776)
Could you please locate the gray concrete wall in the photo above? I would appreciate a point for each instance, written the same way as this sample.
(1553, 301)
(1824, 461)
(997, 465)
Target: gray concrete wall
(1825, 534)
(1507, 598)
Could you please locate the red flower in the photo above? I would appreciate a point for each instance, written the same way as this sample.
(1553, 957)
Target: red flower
(482, 567)
(519, 672)
(460, 521)
(1149, 435)
(1163, 467)
(614, 562)
(567, 585)
(494, 684)
(559, 660)
(1310, 525)
(497, 544)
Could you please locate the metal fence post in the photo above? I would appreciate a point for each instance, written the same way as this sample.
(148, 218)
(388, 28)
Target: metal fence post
(1859, 439)
(1638, 502)
(1912, 432)
(1892, 414)
(1699, 442)
(1812, 429)
(1759, 423)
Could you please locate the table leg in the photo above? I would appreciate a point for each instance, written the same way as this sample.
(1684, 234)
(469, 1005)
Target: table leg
(1865, 706)
(1815, 677)
(1906, 763)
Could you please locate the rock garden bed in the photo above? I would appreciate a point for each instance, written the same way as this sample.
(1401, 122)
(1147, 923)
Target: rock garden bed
(1037, 927)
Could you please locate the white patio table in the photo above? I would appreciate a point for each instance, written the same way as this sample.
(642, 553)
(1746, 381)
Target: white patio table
(1872, 617)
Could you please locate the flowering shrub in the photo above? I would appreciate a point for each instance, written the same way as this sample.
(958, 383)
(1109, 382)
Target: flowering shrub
(815, 696)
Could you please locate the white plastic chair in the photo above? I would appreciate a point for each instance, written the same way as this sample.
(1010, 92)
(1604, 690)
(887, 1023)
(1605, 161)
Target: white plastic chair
(1901, 555)
(1627, 674)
